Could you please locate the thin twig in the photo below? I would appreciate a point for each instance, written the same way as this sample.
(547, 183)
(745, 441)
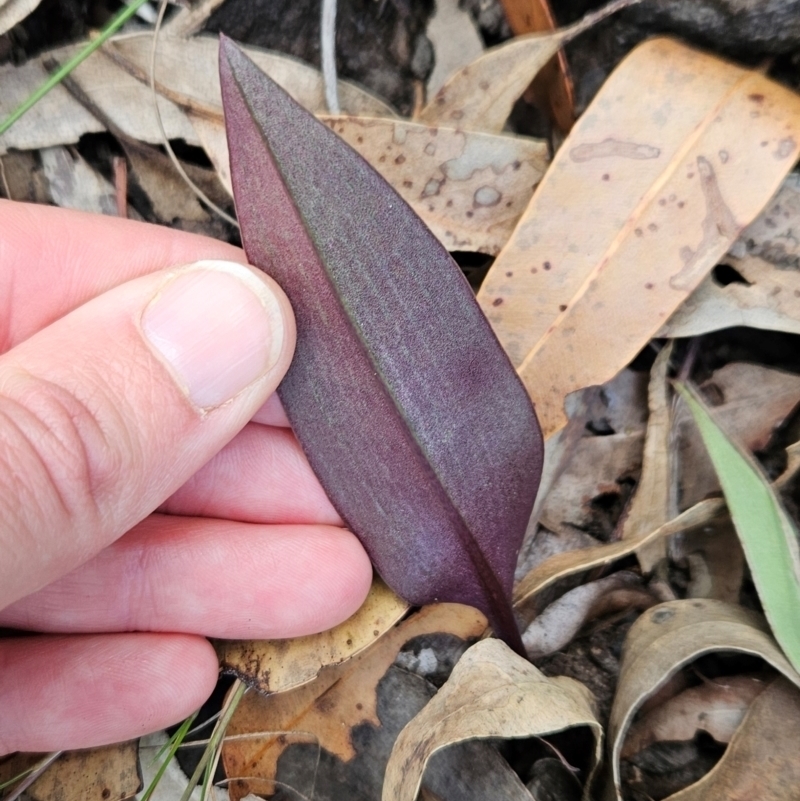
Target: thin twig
(327, 35)
(6, 187)
(167, 146)
(121, 185)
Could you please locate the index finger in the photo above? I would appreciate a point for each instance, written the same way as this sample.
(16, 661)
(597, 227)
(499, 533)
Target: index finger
(54, 260)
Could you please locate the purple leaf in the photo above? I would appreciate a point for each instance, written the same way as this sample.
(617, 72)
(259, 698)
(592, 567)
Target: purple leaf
(409, 411)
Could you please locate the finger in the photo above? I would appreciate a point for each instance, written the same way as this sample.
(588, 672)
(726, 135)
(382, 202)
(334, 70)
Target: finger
(106, 412)
(211, 577)
(261, 476)
(80, 256)
(86, 691)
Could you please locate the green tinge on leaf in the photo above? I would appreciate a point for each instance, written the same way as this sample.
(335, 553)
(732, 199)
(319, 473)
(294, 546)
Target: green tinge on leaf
(768, 535)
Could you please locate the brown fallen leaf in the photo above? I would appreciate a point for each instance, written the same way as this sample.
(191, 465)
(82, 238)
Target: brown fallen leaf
(561, 621)
(654, 501)
(482, 94)
(664, 181)
(274, 666)
(469, 188)
(668, 637)
(492, 692)
(715, 558)
(762, 760)
(758, 284)
(14, 11)
(551, 89)
(598, 468)
(116, 79)
(74, 184)
(562, 565)
(455, 39)
(328, 707)
(750, 401)
(110, 773)
(716, 706)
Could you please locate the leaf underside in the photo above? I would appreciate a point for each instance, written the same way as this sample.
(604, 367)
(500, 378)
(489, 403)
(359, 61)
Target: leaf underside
(407, 407)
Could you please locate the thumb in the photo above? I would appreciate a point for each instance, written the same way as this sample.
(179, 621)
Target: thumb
(107, 411)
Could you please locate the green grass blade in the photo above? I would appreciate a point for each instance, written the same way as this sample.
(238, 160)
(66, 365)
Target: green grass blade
(124, 14)
(170, 748)
(769, 537)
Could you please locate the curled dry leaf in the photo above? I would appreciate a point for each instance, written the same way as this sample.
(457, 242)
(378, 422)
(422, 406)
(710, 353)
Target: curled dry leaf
(14, 11)
(668, 637)
(469, 188)
(654, 501)
(715, 706)
(339, 698)
(569, 563)
(492, 692)
(481, 95)
(762, 760)
(274, 666)
(762, 286)
(377, 296)
(110, 772)
(666, 180)
(558, 624)
(74, 184)
(768, 535)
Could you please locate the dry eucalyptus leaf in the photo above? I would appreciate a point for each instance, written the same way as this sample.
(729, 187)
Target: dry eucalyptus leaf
(198, 88)
(715, 558)
(74, 184)
(469, 188)
(762, 760)
(492, 692)
(482, 94)
(560, 622)
(598, 468)
(57, 119)
(653, 501)
(110, 773)
(664, 180)
(552, 88)
(762, 288)
(338, 699)
(749, 401)
(116, 80)
(717, 706)
(274, 666)
(566, 564)
(455, 39)
(14, 11)
(668, 637)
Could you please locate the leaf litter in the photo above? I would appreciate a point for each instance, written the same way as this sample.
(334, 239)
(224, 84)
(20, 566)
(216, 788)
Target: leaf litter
(753, 284)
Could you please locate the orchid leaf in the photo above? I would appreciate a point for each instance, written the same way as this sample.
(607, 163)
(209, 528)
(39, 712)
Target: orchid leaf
(409, 410)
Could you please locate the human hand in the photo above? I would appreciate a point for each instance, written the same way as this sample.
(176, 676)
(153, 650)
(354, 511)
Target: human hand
(150, 492)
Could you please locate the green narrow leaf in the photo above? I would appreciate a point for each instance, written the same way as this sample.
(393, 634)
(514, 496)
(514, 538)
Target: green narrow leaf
(768, 535)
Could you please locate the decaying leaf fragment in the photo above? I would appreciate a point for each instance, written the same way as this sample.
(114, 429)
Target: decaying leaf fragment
(110, 773)
(387, 401)
(481, 95)
(338, 699)
(671, 635)
(14, 11)
(274, 666)
(763, 760)
(665, 180)
(492, 692)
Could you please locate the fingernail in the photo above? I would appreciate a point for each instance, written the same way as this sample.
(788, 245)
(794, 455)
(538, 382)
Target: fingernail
(217, 326)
